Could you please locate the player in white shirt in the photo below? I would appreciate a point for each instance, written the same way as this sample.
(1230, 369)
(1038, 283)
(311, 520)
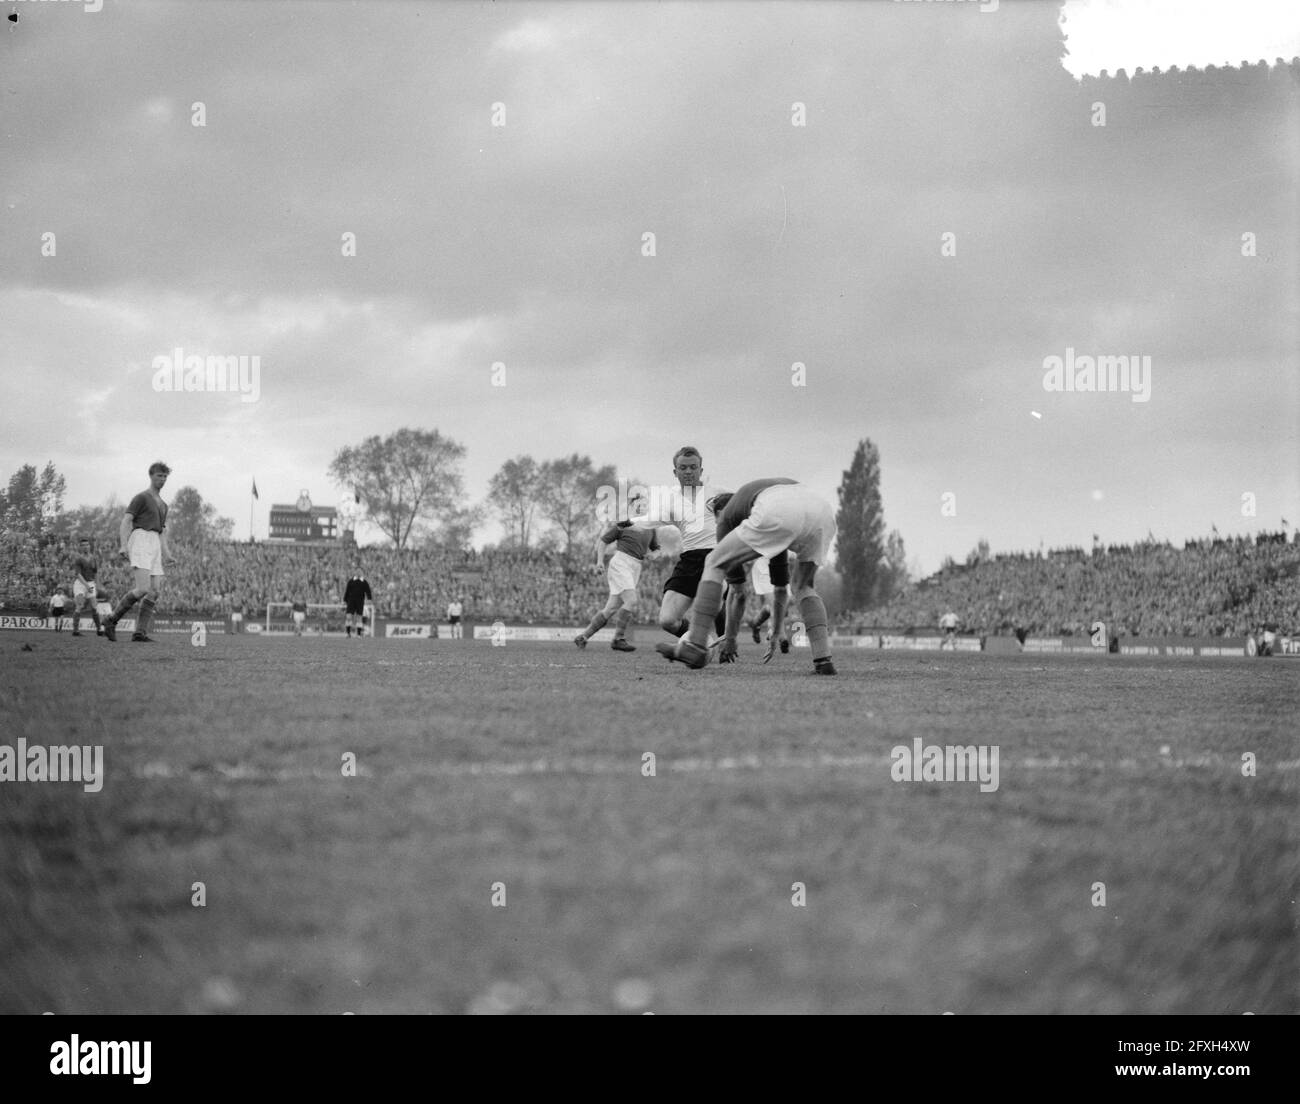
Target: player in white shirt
(455, 610)
(699, 529)
(948, 623)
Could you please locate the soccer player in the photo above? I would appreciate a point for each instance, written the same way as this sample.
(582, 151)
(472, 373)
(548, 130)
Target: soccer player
(57, 602)
(355, 595)
(632, 544)
(84, 593)
(698, 527)
(143, 538)
(948, 623)
(299, 616)
(766, 517)
(455, 610)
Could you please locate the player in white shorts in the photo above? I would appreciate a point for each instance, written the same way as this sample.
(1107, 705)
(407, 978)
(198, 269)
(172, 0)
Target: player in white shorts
(766, 517)
(84, 587)
(144, 543)
(632, 544)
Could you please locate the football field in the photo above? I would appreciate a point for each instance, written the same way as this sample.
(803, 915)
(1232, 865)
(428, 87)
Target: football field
(330, 825)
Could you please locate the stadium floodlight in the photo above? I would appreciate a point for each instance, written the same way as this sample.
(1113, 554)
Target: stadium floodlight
(322, 617)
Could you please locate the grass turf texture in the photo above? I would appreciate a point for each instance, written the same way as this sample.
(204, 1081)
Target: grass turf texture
(522, 765)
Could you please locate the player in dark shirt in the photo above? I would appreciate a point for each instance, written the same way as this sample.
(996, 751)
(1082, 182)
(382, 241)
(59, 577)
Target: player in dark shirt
(144, 545)
(84, 587)
(632, 544)
(766, 517)
(355, 595)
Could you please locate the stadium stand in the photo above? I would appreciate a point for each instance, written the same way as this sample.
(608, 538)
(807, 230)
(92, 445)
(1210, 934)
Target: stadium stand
(1222, 587)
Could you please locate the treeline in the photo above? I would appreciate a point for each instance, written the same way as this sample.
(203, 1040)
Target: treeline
(410, 485)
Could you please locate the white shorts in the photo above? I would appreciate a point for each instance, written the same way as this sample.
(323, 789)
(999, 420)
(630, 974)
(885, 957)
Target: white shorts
(82, 589)
(761, 577)
(299, 617)
(624, 572)
(145, 550)
(789, 515)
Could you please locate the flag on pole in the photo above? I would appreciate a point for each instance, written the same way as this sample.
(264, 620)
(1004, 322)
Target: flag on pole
(255, 494)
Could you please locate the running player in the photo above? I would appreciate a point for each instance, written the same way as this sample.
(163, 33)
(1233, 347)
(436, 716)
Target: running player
(698, 527)
(632, 544)
(948, 623)
(455, 610)
(143, 538)
(354, 597)
(84, 588)
(766, 517)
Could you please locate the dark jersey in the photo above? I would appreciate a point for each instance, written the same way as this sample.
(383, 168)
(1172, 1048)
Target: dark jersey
(356, 592)
(88, 567)
(148, 511)
(736, 511)
(300, 607)
(631, 540)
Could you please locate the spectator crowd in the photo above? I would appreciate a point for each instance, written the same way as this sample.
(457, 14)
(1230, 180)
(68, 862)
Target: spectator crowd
(527, 586)
(1220, 587)
(1207, 588)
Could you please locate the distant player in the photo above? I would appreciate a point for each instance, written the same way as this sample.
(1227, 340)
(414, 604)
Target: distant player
(57, 602)
(632, 544)
(455, 610)
(948, 623)
(766, 517)
(299, 616)
(355, 596)
(143, 538)
(84, 587)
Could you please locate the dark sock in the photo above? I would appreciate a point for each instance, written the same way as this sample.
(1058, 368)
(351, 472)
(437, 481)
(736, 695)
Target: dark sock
(146, 616)
(762, 617)
(814, 624)
(620, 623)
(597, 623)
(349, 630)
(125, 604)
(708, 601)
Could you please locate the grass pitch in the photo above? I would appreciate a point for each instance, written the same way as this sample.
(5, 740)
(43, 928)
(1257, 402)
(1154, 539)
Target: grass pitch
(518, 771)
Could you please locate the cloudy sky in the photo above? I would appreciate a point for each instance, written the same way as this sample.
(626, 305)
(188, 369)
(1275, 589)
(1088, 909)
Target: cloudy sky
(774, 244)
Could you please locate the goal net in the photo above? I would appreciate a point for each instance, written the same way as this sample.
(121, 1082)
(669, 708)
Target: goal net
(322, 617)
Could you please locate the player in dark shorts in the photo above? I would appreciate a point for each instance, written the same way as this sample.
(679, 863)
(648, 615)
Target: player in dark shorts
(143, 538)
(354, 597)
(698, 529)
(84, 587)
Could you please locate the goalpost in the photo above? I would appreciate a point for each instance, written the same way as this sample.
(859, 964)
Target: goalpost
(322, 617)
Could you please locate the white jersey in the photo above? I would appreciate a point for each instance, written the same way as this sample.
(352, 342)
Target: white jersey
(699, 527)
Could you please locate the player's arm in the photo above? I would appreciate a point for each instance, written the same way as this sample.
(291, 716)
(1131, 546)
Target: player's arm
(602, 542)
(124, 532)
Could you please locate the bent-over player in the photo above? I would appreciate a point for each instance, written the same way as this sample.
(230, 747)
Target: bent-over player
(764, 518)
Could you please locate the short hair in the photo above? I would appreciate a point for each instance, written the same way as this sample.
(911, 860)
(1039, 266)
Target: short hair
(159, 466)
(687, 450)
(83, 540)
